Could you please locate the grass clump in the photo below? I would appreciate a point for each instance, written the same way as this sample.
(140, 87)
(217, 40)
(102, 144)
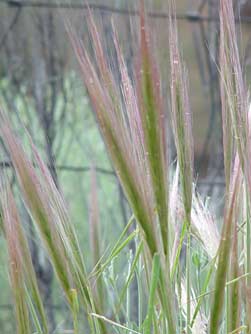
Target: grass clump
(172, 221)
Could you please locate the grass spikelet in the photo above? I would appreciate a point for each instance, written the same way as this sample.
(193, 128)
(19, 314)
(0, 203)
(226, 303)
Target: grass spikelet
(204, 226)
(66, 232)
(147, 155)
(153, 122)
(47, 209)
(82, 290)
(234, 289)
(27, 275)
(224, 255)
(236, 132)
(117, 138)
(203, 223)
(181, 116)
(233, 92)
(17, 280)
(37, 203)
(234, 298)
(95, 238)
(94, 219)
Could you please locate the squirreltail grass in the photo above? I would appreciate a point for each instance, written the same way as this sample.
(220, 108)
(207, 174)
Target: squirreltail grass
(197, 279)
(47, 209)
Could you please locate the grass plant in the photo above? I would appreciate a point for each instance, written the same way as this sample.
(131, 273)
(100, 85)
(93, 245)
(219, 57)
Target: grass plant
(209, 291)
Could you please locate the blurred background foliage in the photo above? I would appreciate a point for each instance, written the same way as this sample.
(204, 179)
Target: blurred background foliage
(41, 89)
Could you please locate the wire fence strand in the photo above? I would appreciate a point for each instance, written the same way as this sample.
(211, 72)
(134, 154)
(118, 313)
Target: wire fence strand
(191, 16)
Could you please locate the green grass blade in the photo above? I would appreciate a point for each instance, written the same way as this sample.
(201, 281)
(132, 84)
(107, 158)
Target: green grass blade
(131, 274)
(152, 294)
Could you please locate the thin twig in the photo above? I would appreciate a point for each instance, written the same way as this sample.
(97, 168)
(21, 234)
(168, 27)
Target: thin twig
(77, 169)
(10, 27)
